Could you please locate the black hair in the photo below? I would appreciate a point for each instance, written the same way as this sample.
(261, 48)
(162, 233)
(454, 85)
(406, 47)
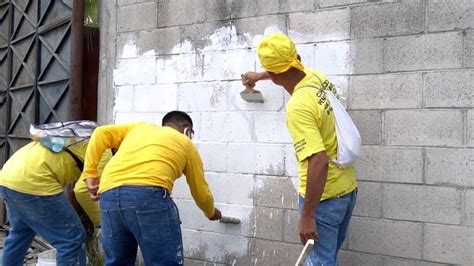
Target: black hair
(176, 117)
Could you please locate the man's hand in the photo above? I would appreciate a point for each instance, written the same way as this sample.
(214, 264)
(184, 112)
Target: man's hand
(250, 78)
(307, 229)
(217, 215)
(93, 187)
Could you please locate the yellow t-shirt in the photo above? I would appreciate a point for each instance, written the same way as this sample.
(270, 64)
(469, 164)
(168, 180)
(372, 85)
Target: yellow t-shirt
(311, 123)
(35, 170)
(148, 155)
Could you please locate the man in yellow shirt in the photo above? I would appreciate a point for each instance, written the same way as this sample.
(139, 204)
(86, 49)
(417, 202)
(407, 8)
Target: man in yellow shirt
(31, 183)
(327, 194)
(135, 204)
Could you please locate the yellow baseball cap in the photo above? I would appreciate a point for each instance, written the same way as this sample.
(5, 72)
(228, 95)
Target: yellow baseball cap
(277, 54)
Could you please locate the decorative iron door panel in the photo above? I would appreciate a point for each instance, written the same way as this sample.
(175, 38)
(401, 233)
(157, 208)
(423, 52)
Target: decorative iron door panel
(35, 68)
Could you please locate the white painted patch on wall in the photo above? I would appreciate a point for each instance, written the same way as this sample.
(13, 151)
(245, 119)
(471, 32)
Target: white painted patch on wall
(224, 123)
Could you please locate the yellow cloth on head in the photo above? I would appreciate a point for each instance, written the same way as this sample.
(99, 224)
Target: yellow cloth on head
(277, 54)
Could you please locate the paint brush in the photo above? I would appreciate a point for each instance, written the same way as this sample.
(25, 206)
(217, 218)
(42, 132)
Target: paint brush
(250, 94)
(229, 220)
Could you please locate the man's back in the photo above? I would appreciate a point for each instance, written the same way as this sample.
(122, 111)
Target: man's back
(36, 170)
(149, 155)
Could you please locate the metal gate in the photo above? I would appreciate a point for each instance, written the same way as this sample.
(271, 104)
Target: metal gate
(35, 52)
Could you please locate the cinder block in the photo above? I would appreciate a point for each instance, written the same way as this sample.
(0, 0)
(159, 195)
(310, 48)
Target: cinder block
(449, 244)
(153, 40)
(144, 17)
(194, 219)
(369, 199)
(369, 124)
(291, 163)
(192, 243)
(428, 51)
(214, 156)
(350, 57)
(449, 166)
(197, 118)
(469, 207)
(449, 89)
(424, 127)
(243, 8)
(319, 26)
(249, 28)
(284, 6)
(351, 258)
(166, 69)
(227, 126)
(236, 62)
(189, 67)
(269, 223)
(124, 117)
(386, 91)
(246, 214)
(270, 127)
(265, 159)
(181, 189)
(307, 53)
(387, 261)
(123, 99)
(137, 71)
(469, 49)
(443, 16)
(387, 19)
(226, 249)
(211, 36)
(177, 12)
(130, 2)
(155, 98)
(290, 226)
(207, 96)
(276, 253)
(422, 203)
(385, 237)
(470, 128)
(390, 164)
(275, 192)
(332, 3)
(273, 96)
(127, 45)
(232, 188)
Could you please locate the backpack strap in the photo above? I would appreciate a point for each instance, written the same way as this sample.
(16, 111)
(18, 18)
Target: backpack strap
(79, 163)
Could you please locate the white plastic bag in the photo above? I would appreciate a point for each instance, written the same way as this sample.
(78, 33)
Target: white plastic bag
(348, 138)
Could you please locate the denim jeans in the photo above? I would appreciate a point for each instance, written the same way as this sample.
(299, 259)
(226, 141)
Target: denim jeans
(143, 216)
(51, 217)
(332, 219)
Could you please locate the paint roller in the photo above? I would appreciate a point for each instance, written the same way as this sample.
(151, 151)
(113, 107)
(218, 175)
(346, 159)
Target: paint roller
(229, 220)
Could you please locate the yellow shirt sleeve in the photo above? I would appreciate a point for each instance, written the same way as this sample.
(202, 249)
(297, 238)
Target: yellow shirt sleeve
(197, 183)
(302, 121)
(104, 137)
(90, 207)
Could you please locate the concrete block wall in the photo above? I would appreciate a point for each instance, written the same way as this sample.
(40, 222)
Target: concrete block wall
(405, 69)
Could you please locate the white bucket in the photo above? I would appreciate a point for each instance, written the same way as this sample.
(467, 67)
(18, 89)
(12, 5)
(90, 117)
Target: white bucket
(47, 258)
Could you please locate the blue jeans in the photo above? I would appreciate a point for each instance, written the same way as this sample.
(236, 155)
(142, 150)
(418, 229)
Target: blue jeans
(143, 216)
(332, 219)
(52, 217)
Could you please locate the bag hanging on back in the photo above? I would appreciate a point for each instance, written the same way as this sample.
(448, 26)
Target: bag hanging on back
(349, 141)
(59, 136)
